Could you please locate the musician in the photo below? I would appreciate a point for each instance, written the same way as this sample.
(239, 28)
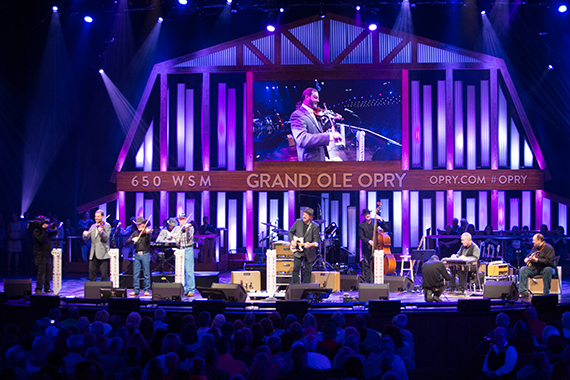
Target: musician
(540, 260)
(99, 233)
(207, 228)
(306, 251)
(434, 274)
(184, 235)
(308, 131)
(42, 252)
(166, 235)
(366, 235)
(469, 251)
(141, 239)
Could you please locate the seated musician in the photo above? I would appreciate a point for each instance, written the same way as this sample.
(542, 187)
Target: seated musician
(166, 234)
(540, 260)
(434, 274)
(468, 252)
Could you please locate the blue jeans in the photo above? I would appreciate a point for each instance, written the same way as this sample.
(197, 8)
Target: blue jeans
(143, 260)
(189, 281)
(526, 272)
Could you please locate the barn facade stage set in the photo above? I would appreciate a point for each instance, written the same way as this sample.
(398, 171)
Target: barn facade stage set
(431, 133)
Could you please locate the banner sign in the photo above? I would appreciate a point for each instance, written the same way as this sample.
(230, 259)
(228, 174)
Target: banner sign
(332, 176)
(271, 273)
(56, 277)
(378, 266)
(114, 264)
(179, 266)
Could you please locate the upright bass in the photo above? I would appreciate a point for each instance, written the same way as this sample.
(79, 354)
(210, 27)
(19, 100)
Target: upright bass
(382, 242)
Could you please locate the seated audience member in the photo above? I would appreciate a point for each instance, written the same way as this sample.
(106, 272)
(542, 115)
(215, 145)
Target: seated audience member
(372, 367)
(400, 347)
(501, 358)
(212, 370)
(400, 321)
(314, 359)
(539, 369)
(329, 335)
(536, 325)
(226, 362)
(523, 340)
(15, 361)
(159, 315)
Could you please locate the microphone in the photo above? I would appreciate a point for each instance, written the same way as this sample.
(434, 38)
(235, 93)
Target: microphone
(349, 110)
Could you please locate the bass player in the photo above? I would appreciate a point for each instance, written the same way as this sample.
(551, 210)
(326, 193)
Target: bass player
(304, 238)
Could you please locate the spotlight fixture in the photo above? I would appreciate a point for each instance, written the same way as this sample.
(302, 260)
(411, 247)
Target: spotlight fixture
(372, 27)
(270, 28)
(550, 67)
(358, 7)
(229, 2)
(322, 12)
(88, 19)
(183, 2)
(483, 12)
(281, 10)
(54, 9)
(101, 71)
(563, 8)
(160, 20)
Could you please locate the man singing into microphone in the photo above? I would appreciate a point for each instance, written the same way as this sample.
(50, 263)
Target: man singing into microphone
(309, 132)
(99, 233)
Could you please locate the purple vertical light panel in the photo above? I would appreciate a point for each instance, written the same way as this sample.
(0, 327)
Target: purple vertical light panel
(514, 219)
(249, 208)
(148, 151)
(181, 204)
(428, 129)
(439, 210)
(546, 212)
(471, 129)
(502, 214)
(122, 208)
(538, 198)
(441, 125)
(139, 204)
(222, 125)
(494, 121)
(405, 121)
(164, 214)
(515, 147)
(163, 128)
(483, 210)
(449, 206)
(526, 209)
(180, 124)
(248, 142)
(205, 209)
(292, 210)
(405, 220)
(485, 135)
(449, 137)
(189, 133)
(495, 209)
(414, 216)
(416, 126)
(205, 120)
(231, 125)
(459, 139)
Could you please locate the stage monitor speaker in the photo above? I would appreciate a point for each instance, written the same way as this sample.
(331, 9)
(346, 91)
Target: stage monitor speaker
(213, 307)
(350, 281)
(299, 308)
(384, 306)
(18, 287)
(474, 304)
(233, 292)
(118, 305)
(92, 289)
(44, 302)
(369, 292)
(399, 283)
(107, 293)
(547, 302)
(500, 290)
(295, 291)
(165, 291)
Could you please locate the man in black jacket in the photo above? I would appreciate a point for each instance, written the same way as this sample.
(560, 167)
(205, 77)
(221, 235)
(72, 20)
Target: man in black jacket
(540, 260)
(306, 229)
(434, 273)
(366, 235)
(42, 253)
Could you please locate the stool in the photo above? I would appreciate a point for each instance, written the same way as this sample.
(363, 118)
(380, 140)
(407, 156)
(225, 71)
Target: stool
(538, 286)
(410, 268)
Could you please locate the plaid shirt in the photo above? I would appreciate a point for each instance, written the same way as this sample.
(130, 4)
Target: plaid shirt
(184, 238)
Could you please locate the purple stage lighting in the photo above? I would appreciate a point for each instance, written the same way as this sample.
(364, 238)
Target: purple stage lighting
(483, 12)
(563, 8)
(160, 20)
(271, 28)
(101, 71)
(229, 2)
(54, 9)
(88, 19)
(358, 7)
(183, 2)
(372, 27)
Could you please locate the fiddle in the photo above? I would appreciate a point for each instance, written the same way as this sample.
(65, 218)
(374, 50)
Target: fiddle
(332, 117)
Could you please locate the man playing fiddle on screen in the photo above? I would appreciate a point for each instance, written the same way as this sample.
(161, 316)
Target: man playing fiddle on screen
(308, 130)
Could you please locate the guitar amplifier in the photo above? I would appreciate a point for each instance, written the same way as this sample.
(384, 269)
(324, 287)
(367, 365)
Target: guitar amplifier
(250, 280)
(283, 251)
(284, 266)
(327, 280)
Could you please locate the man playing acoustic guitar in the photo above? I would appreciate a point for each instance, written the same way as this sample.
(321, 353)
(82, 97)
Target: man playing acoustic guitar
(304, 238)
(540, 260)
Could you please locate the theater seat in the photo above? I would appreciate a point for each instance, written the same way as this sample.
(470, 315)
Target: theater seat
(536, 286)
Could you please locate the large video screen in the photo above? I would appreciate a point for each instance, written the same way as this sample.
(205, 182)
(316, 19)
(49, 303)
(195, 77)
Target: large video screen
(371, 107)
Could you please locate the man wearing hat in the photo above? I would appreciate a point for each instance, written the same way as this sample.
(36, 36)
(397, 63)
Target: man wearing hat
(141, 258)
(366, 235)
(184, 235)
(99, 233)
(309, 231)
(166, 235)
(42, 252)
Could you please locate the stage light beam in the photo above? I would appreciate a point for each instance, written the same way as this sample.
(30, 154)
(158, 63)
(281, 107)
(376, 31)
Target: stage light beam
(54, 9)
(183, 2)
(372, 27)
(160, 20)
(563, 8)
(88, 19)
(270, 28)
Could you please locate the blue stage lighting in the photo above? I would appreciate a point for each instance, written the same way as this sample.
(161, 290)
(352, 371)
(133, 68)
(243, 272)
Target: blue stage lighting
(229, 2)
(281, 10)
(358, 7)
(563, 8)
(183, 2)
(101, 71)
(483, 12)
(160, 20)
(550, 67)
(271, 28)
(88, 19)
(372, 27)
(54, 9)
